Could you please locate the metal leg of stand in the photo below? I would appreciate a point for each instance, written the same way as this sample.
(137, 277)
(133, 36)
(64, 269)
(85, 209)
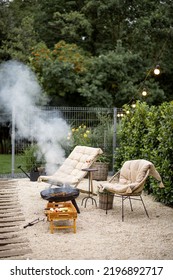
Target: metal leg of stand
(86, 199)
(90, 192)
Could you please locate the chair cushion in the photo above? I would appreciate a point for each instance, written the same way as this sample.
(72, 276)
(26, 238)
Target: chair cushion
(134, 171)
(117, 187)
(71, 170)
(132, 177)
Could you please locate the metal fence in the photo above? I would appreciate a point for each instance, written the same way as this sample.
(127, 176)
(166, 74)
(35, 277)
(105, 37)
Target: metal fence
(75, 116)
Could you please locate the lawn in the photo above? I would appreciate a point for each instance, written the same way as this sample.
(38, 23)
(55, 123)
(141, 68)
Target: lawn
(6, 165)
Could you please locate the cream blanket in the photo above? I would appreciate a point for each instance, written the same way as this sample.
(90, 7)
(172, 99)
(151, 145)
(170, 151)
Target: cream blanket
(131, 177)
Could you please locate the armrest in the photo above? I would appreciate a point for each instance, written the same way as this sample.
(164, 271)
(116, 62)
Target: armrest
(115, 177)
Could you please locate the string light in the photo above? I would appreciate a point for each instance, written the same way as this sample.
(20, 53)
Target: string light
(153, 70)
(157, 70)
(120, 114)
(144, 92)
(133, 104)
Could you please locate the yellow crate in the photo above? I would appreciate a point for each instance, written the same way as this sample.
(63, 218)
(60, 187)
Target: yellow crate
(59, 212)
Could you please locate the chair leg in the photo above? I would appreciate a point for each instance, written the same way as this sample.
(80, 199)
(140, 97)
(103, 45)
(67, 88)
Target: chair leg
(123, 198)
(130, 204)
(144, 206)
(122, 208)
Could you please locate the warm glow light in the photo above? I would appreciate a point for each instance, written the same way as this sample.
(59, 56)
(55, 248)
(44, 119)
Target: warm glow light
(144, 92)
(157, 70)
(120, 114)
(133, 104)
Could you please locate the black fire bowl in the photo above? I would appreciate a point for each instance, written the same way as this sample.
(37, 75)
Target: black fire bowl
(61, 194)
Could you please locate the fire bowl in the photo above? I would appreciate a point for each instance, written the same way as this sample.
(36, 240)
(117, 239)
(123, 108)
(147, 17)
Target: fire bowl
(60, 194)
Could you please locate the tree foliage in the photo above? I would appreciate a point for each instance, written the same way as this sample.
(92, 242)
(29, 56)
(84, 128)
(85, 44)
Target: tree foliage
(112, 76)
(59, 69)
(20, 40)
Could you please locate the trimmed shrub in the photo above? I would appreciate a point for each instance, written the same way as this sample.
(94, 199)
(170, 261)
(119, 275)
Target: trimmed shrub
(147, 132)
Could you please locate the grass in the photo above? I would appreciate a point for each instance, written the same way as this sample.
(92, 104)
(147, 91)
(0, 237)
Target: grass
(6, 165)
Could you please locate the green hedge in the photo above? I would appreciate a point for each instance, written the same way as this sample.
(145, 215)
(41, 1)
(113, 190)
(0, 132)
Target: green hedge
(147, 132)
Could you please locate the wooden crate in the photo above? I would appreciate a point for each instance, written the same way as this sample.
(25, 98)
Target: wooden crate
(60, 212)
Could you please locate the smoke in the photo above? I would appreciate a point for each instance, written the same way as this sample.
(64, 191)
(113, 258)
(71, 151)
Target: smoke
(20, 97)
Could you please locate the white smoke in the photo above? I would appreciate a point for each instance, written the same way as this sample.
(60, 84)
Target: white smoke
(20, 96)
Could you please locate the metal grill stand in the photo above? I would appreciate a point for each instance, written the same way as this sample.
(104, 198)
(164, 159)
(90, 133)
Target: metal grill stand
(89, 170)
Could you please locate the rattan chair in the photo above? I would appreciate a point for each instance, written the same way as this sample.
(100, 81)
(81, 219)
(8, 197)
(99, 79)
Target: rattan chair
(128, 183)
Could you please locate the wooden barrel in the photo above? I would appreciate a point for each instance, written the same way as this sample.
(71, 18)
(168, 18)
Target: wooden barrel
(106, 200)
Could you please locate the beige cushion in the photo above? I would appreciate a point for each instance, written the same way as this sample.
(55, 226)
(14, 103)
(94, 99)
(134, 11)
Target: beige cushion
(70, 171)
(132, 177)
(118, 188)
(134, 171)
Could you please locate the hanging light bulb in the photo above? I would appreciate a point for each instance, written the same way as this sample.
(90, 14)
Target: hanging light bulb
(120, 114)
(133, 104)
(157, 70)
(144, 92)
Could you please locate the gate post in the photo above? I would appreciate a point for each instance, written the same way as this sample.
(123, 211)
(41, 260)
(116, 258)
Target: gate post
(13, 143)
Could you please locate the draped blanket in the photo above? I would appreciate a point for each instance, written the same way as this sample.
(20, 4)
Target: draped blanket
(131, 177)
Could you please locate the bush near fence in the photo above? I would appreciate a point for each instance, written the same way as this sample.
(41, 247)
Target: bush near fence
(147, 132)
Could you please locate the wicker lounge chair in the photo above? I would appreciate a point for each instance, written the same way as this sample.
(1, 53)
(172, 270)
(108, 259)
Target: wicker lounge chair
(130, 180)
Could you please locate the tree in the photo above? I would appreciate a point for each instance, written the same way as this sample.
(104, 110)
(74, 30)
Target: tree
(17, 25)
(113, 79)
(20, 40)
(72, 26)
(23, 8)
(44, 16)
(143, 28)
(5, 16)
(59, 70)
